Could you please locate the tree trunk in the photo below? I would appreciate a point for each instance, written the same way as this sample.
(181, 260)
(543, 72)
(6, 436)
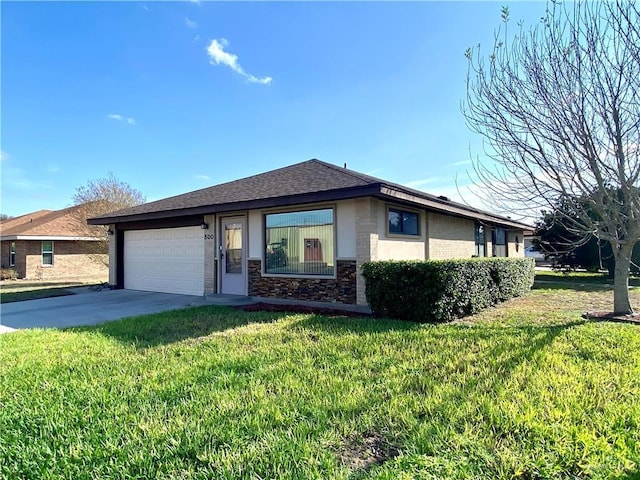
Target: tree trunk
(621, 303)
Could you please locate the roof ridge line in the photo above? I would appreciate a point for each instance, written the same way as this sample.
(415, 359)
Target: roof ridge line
(351, 173)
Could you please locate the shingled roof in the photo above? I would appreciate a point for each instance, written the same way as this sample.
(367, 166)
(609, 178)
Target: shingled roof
(48, 224)
(306, 182)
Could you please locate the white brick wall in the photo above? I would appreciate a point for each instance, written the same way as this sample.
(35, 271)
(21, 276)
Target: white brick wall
(210, 255)
(515, 248)
(366, 239)
(450, 237)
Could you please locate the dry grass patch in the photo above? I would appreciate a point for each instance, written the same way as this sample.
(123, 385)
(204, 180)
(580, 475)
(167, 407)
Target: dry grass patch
(362, 453)
(550, 306)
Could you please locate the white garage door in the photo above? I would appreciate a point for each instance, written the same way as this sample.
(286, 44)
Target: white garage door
(169, 260)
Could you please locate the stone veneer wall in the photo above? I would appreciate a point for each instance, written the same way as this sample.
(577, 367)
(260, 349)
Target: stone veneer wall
(341, 289)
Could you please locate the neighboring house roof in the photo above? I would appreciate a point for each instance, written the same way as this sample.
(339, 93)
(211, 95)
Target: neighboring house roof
(66, 224)
(306, 182)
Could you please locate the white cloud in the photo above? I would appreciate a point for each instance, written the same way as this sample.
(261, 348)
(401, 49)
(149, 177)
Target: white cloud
(190, 23)
(19, 179)
(460, 163)
(465, 193)
(461, 192)
(121, 118)
(204, 178)
(16, 178)
(425, 181)
(195, 39)
(218, 56)
(263, 80)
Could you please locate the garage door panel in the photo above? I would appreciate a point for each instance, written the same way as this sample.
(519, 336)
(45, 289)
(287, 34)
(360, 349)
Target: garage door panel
(165, 260)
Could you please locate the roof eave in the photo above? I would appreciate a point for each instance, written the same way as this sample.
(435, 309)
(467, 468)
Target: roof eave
(378, 190)
(271, 202)
(59, 238)
(447, 207)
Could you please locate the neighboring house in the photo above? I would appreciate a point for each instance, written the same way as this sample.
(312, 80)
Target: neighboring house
(530, 249)
(299, 232)
(53, 245)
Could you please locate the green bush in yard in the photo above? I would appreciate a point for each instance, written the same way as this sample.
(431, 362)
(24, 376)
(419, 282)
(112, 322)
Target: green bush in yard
(442, 290)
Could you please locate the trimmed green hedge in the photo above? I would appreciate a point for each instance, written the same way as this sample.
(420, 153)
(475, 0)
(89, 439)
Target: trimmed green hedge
(442, 290)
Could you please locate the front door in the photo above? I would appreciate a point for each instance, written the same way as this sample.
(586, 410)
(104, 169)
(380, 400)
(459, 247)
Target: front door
(233, 256)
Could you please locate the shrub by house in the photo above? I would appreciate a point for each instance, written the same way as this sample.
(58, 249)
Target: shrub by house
(440, 291)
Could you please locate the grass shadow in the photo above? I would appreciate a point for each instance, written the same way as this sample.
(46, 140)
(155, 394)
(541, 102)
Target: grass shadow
(174, 326)
(593, 282)
(510, 347)
(359, 325)
(578, 287)
(369, 325)
(10, 297)
(52, 284)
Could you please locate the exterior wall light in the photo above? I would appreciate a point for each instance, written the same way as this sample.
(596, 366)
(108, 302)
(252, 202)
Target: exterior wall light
(204, 225)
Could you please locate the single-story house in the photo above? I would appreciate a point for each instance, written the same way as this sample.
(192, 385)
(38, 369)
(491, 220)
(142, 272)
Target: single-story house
(53, 245)
(298, 232)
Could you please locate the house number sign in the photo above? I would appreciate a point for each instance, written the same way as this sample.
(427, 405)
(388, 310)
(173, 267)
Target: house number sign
(209, 236)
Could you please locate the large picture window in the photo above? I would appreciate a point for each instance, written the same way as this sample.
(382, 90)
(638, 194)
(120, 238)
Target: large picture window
(47, 252)
(300, 243)
(402, 222)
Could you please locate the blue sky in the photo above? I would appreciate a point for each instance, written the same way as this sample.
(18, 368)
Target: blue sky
(176, 96)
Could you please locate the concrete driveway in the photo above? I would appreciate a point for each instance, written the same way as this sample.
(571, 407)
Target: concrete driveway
(88, 308)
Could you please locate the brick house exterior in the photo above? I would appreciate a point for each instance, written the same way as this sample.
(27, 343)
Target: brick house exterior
(53, 245)
(299, 232)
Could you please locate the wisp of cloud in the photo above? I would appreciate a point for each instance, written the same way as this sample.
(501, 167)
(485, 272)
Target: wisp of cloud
(120, 118)
(218, 56)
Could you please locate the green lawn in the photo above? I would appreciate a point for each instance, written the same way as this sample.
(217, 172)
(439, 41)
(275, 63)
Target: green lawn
(525, 390)
(17, 291)
(7, 297)
(546, 277)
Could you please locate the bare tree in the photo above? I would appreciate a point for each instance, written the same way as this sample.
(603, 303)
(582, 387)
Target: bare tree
(102, 196)
(558, 107)
(107, 195)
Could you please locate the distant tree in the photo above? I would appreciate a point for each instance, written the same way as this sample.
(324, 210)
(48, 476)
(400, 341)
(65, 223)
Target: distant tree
(102, 196)
(558, 107)
(107, 195)
(4, 216)
(567, 251)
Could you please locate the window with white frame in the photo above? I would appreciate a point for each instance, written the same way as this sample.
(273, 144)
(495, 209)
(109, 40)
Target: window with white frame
(480, 241)
(47, 252)
(403, 222)
(12, 254)
(300, 243)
